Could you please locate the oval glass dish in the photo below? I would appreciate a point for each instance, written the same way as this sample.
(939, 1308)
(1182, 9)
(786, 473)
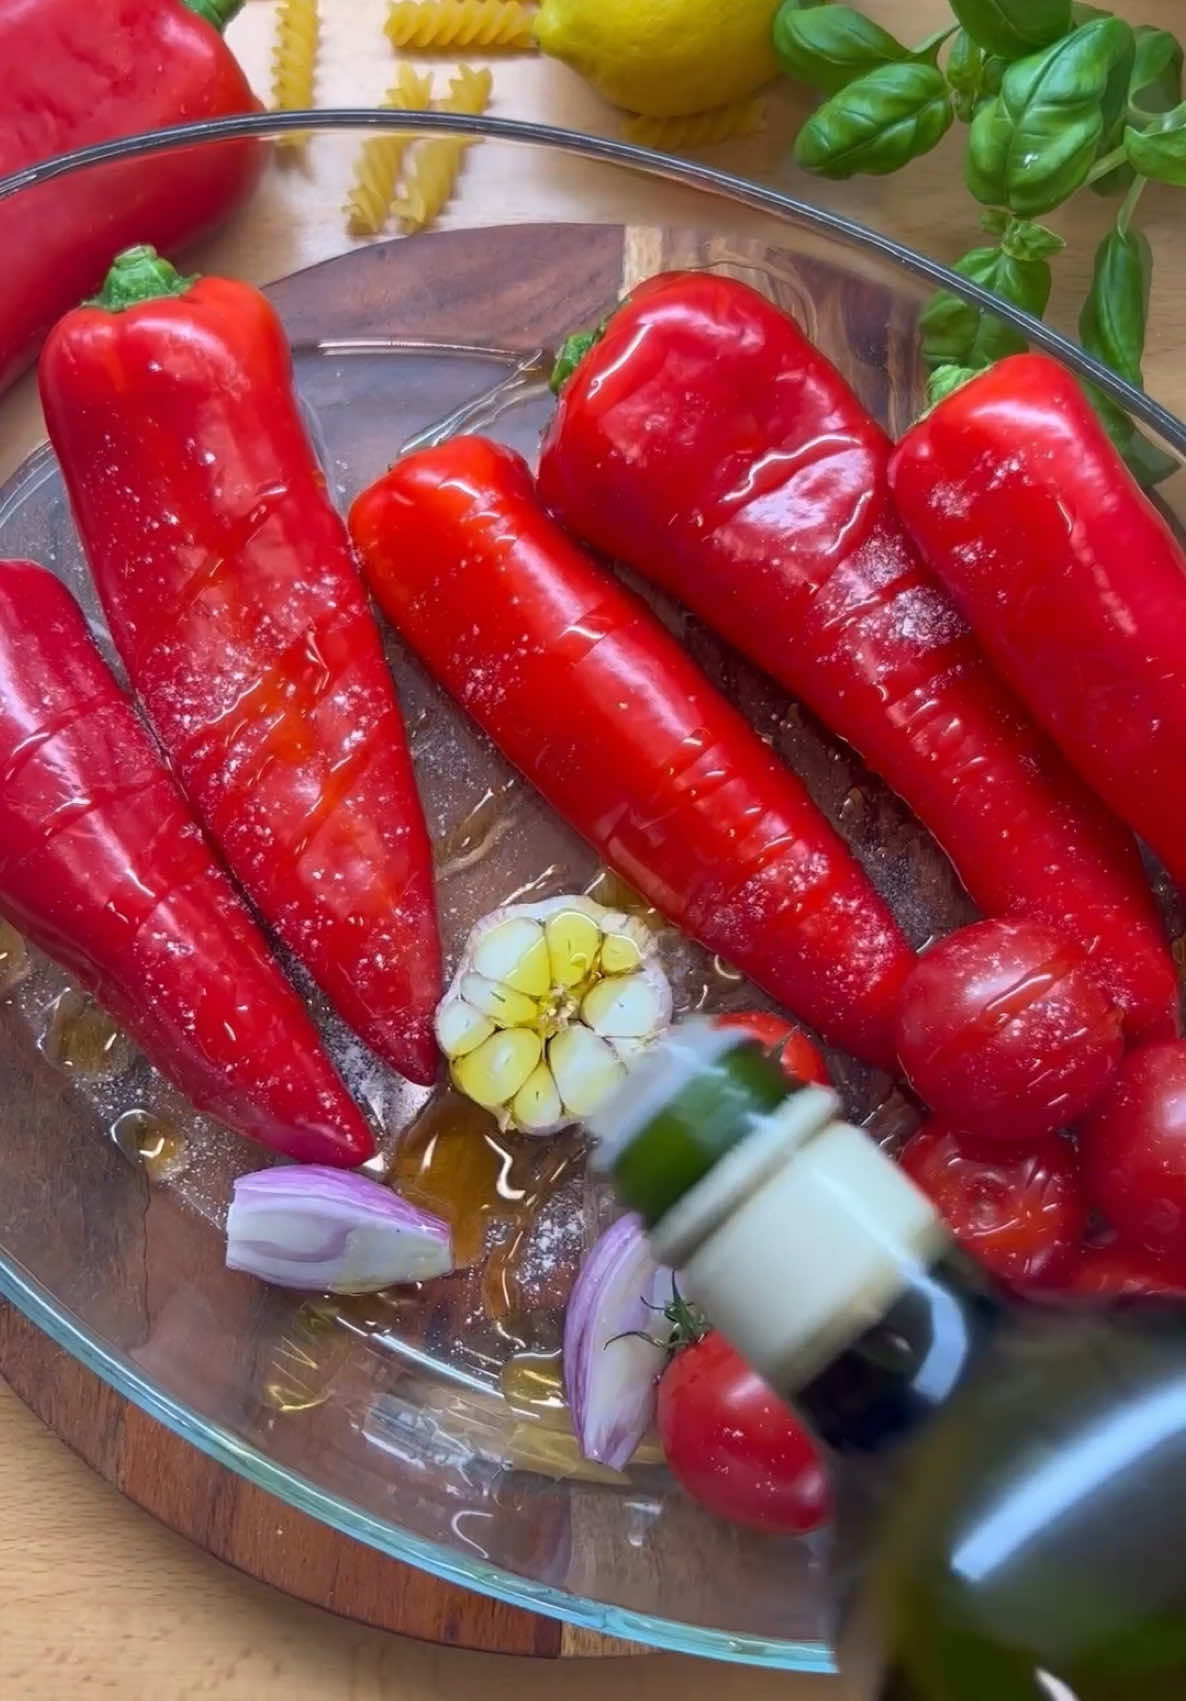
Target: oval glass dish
(429, 1423)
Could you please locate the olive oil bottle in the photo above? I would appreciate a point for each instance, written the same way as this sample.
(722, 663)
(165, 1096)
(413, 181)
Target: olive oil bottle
(1032, 1544)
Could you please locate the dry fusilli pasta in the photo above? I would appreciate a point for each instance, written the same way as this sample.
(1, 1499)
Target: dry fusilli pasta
(437, 24)
(380, 157)
(294, 61)
(432, 173)
(700, 130)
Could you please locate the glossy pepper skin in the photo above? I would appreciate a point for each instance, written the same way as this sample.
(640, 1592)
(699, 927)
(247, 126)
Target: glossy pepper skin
(103, 866)
(1073, 582)
(236, 605)
(704, 441)
(82, 71)
(583, 690)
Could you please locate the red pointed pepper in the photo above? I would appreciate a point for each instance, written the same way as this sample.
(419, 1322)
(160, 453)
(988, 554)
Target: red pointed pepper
(234, 601)
(705, 442)
(104, 868)
(580, 686)
(1072, 580)
(76, 72)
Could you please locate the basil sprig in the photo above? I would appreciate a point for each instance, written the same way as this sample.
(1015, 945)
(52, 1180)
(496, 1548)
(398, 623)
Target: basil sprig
(1058, 96)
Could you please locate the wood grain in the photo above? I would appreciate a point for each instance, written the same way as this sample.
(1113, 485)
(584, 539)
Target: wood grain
(95, 1598)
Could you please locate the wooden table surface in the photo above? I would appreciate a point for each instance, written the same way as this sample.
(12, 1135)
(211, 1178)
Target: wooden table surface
(95, 1598)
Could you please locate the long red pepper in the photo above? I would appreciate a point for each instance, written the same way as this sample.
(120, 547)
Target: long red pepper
(73, 72)
(1071, 579)
(104, 868)
(705, 442)
(581, 687)
(236, 605)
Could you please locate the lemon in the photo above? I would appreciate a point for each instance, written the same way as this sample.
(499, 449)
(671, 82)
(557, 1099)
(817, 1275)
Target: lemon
(664, 58)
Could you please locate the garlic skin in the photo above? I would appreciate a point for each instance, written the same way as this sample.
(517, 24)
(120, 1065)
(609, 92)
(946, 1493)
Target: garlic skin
(550, 1004)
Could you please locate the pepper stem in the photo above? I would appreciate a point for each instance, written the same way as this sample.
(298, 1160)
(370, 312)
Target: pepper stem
(138, 274)
(572, 351)
(217, 13)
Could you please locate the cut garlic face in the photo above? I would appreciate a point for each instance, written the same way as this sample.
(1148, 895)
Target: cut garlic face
(550, 1004)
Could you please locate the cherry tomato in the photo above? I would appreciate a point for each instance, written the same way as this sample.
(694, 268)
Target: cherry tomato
(1004, 1032)
(1125, 1272)
(789, 1045)
(1134, 1150)
(734, 1446)
(1020, 1211)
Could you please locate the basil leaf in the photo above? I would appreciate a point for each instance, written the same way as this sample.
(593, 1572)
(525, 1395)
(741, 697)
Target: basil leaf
(1160, 150)
(972, 74)
(945, 379)
(1114, 316)
(829, 46)
(1148, 464)
(954, 333)
(878, 123)
(1035, 143)
(1156, 82)
(1013, 28)
(1021, 239)
(1082, 13)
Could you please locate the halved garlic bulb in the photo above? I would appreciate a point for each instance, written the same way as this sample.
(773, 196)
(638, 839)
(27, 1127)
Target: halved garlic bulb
(550, 1003)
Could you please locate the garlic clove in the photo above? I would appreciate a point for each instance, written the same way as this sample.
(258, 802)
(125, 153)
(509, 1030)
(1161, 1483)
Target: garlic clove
(574, 941)
(460, 1028)
(537, 1107)
(515, 953)
(620, 955)
(625, 1007)
(495, 1072)
(505, 1007)
(585, 1069)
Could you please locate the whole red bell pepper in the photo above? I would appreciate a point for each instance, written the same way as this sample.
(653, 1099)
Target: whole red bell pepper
(704, 441)
(82, 71)
(236, 605)
(582, 689)
(104, 868)
(1072, 580)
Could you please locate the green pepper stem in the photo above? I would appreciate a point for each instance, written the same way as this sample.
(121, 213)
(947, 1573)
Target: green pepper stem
(138, 274)
(217, 13)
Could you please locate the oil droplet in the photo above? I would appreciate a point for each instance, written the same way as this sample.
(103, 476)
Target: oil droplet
(852, 805)
(305, 1360)
(476, 834)
(82, 1038)
(152, 1142)
(14, 957)
(455, 1162)
(532, 1383)
(610, 889)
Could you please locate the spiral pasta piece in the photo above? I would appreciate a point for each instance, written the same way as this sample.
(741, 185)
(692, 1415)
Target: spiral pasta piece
(377, 166)
(493, 25)
(700, 129)
(294, 63)
(431, 175)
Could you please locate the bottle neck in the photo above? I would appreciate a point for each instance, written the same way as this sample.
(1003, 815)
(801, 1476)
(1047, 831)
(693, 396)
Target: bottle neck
(802, 1242)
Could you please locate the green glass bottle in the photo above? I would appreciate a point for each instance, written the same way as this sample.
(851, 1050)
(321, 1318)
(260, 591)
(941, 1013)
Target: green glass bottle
(1032, 1546)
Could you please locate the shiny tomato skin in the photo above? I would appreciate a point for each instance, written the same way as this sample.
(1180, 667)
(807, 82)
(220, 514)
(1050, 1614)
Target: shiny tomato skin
(1125, 1272)
(789, 1045)
(1003, 1031)
(1019, 1210)
(1134, 1150)
(734, 1446)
